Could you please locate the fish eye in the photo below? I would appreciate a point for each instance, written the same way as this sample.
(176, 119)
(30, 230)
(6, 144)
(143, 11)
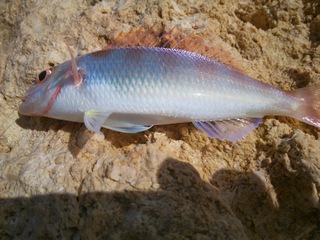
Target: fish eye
(44, 75)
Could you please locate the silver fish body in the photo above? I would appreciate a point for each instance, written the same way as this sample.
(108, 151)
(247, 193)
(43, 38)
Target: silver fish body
(130, 89)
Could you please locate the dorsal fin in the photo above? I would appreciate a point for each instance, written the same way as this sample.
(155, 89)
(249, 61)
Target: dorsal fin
(139, 37)
(173, 38)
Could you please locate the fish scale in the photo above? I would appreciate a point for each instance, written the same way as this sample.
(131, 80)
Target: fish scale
(164, 82)
(130, 89)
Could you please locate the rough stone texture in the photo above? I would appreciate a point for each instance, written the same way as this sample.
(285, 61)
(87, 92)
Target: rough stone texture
(57, 180)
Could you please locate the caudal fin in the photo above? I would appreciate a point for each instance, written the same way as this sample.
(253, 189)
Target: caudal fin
(309, 110)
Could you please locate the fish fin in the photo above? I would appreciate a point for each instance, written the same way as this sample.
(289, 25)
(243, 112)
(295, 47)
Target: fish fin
(95, 119)
(77, 76)
(193, 42)
(139, 37)
(309, 110)
(156, 36)
(231, 129)
(126, 123)
(129, 129)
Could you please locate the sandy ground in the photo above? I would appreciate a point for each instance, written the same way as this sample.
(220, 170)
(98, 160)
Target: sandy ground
(58, 180)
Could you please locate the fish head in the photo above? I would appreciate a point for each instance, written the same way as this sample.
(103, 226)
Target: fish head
(39, 98)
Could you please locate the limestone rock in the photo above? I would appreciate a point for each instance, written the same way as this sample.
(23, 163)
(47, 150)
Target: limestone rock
(59, 181)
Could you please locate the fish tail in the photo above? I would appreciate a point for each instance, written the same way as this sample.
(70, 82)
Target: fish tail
(309, 110)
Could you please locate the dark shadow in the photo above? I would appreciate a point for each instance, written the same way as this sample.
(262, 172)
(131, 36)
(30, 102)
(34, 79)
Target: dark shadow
(301, 77)
(39, 123)
(79, 136)
(78, 132)
(277, 202)
(184, 207)
(118, 139)
(312, 11)
(43, 124)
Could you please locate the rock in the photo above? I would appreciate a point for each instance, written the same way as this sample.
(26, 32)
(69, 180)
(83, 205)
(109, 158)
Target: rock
(58, 180)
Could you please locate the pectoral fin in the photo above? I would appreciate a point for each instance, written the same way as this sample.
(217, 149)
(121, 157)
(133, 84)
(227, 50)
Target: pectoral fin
(95, 119)
(231, 129)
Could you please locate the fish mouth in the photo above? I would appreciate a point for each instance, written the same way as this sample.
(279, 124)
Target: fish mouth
(26, 111)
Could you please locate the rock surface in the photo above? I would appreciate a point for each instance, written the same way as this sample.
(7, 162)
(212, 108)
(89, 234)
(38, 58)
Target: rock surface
(57, 180)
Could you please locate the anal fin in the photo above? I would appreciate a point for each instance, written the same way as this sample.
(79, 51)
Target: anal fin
(129, 129)
(231, 129)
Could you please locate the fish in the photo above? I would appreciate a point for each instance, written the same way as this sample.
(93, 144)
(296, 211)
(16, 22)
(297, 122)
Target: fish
(151, 77)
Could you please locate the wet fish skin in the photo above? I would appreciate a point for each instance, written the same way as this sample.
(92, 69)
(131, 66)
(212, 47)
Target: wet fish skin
(130, 89)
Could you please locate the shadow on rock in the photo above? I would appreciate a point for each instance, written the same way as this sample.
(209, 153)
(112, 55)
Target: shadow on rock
(280, 200)
(183, 207)
(79, 135)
